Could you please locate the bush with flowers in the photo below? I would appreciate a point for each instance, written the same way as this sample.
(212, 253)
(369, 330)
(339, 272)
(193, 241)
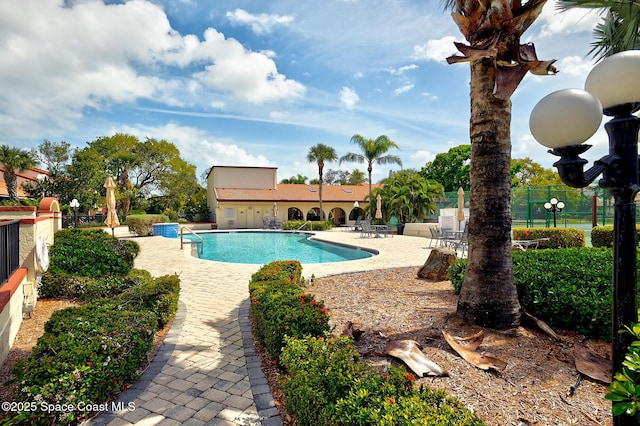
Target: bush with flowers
(280, 308)
(557, 237)
(328, 384)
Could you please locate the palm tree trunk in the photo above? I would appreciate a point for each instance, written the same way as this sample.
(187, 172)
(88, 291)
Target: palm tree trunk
(489, 296)
(12, 186)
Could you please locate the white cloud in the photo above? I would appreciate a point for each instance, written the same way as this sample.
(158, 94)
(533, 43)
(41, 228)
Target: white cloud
(260, 24)
(435, 50)
(422, 157)
(575, 66)
(575, 20)
(401, 70)
(349, 97)
(403, 89)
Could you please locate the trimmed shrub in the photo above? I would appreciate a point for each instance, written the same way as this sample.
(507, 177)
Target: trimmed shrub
(624, 390)
(558, 237)
(142, 225)
(328, 384)
(159, 296)
(568, 288)
(602, 236)
(86, 356)
(324, 225)
(287, 271)
(91, 253)
(63, 285)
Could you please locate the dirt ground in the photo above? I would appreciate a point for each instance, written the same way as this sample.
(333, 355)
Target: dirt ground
(535, 388)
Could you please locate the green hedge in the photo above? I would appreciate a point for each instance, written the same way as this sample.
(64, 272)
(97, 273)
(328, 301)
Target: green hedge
(328, 384)
(91, 253)
(567, 288)
(142, 225)
(280, 308)
(602, 236)
(68, 286)
(324, 225)
(86, 356)
(558, 237)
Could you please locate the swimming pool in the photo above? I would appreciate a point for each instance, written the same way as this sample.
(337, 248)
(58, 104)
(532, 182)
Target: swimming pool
(265, 247)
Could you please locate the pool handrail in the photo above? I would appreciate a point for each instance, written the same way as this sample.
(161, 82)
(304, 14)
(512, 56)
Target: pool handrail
(302, 226)
(199, 243)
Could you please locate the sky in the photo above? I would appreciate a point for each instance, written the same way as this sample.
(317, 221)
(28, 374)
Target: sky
(258, 83)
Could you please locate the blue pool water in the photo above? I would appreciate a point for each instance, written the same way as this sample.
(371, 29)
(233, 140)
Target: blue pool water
(265, 247)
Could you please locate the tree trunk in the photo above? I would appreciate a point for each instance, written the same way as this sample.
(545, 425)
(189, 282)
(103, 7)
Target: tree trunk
(489, 296)
(11, 182)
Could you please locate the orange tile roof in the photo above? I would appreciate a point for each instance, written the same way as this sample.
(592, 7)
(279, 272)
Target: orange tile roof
(296, 192)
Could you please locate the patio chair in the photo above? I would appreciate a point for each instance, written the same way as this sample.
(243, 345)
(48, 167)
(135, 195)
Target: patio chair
(366, 230)
(462, 243)
(436, 237)
(358, 225)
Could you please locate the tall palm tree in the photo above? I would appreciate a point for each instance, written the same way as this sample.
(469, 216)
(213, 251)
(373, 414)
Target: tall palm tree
(619, 29)
(372, 151)
(14, 160)
(320, 154)
(498, 62)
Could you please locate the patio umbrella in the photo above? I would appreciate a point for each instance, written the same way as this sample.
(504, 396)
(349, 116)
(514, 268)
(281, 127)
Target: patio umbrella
(378, 207)
(112, 215)
(275, 209)
(460, 211)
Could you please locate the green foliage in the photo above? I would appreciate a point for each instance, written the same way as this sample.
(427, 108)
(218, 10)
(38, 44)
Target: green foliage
(280, 308)
(63, 285)
(91, 253)
(568, 288)
(558, 237)
(142, 225)
(323, 225)
(624, 391)
(408, 196)
(328, 384)
(159, 296)
(602, 236)
(450, 169)
(286, 271)
(86, 356)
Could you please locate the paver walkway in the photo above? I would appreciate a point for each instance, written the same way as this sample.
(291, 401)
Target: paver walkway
(207, 372)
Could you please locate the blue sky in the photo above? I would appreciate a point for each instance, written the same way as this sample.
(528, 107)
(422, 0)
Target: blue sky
(248, 83)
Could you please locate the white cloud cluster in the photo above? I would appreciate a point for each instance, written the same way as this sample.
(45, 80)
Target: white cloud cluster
(58, 59)
(435, 50)
(262, 23)
(349, 97)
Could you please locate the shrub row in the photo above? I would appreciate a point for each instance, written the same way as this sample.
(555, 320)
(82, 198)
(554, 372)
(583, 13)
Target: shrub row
(307, 225)
(624, 390)
(567, 288)
(91, 253)
(88, 353)
(602, 236)
(279, 306)
(142, 225)
(558, 237)
(326, 382)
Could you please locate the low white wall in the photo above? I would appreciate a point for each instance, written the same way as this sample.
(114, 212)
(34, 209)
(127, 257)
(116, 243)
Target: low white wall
(418, 229)
(11, 312)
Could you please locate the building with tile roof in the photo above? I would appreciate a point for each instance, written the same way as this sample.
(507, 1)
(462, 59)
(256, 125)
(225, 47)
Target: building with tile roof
(249, 197)
(25, 176)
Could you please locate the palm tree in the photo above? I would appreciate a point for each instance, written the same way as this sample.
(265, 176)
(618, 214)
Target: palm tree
(619, 29)
(498, 62)
(12, 160)
(320, 154)
(373, 151)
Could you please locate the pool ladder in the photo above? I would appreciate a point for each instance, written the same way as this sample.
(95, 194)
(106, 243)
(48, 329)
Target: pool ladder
(302, 226)
(199, 242)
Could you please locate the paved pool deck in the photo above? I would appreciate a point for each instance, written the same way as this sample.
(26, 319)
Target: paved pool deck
(206, 371)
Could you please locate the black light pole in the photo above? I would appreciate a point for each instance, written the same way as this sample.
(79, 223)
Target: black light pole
(554, 206)
(74, 204)
(613, 90)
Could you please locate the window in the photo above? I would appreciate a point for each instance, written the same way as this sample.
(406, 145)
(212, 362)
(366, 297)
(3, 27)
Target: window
(229, 212)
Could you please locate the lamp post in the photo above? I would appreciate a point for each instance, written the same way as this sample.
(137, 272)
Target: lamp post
(565, 119)
(74, 204)
(554, 206)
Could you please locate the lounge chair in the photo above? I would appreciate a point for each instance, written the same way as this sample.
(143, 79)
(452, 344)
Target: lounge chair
(366, 229)
(358, 225)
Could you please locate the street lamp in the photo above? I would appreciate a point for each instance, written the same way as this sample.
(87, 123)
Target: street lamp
(565, 119)
(74, 204)
(553, 205)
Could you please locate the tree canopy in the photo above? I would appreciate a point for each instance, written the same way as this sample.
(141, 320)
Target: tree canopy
(14, 160)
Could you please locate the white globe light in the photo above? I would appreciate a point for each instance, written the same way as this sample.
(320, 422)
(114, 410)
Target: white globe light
(565, 117)
(615, 80)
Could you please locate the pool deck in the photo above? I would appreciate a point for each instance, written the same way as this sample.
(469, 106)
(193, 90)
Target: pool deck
(206, 371)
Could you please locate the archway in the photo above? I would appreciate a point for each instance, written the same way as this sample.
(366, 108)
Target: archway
(314, 214)
(338, 216)
(294, 213)
(355, 213)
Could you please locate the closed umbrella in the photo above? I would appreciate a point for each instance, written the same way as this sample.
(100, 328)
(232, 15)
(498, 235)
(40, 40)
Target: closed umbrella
(378, 207)
(460, 211)
(275, 209)
(112, 215)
